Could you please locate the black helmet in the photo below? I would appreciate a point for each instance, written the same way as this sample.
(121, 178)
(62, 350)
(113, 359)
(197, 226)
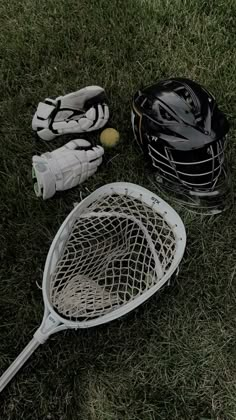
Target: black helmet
(182, 132)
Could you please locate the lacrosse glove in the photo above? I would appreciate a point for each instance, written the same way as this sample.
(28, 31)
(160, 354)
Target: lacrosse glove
(65, 167)
(78, 112)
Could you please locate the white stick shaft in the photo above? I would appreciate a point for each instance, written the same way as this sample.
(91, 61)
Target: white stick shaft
(18, 363)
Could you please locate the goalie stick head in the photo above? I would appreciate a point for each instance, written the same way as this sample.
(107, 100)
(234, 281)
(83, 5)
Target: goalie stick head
(116, 248)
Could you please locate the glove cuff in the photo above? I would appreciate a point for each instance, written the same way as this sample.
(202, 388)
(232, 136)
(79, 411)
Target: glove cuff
(45, 181)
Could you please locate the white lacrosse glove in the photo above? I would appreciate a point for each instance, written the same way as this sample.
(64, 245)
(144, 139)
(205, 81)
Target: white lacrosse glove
(65, 167)
(77, 112)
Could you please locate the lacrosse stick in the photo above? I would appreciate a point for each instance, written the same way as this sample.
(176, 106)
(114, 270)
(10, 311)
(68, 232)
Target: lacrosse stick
(114, 250)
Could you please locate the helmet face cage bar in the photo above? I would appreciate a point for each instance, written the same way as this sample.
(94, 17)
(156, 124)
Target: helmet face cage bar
(211, 199)
(200, 175)
(207, 203)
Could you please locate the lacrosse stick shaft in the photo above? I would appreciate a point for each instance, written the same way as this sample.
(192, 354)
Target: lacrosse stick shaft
(18, 363)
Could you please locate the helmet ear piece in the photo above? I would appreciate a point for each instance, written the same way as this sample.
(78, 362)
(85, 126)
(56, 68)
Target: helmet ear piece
(181, 132)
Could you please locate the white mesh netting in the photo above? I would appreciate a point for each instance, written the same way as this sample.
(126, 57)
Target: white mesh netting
(107, 260)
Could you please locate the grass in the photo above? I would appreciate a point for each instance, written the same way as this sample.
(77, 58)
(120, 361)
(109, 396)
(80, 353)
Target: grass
(174, 357)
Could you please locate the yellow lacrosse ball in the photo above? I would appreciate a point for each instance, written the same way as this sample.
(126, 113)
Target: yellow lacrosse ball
(109, 137)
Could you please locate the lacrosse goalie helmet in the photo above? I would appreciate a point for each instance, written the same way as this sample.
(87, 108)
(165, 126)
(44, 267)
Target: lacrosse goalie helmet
(182, 133)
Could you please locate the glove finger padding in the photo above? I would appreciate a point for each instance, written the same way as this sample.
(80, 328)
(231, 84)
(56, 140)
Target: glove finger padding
(77, 112)
(65, 167)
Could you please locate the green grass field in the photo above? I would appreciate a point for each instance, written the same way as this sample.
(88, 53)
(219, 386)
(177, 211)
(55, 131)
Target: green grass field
(174, 357)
